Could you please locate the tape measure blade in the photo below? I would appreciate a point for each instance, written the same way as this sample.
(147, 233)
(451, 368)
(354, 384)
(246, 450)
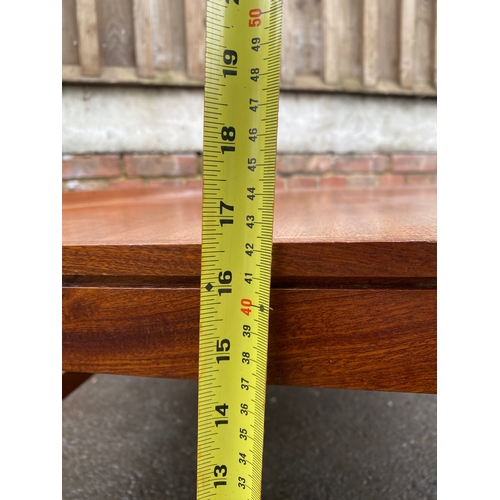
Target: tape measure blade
(240, 131)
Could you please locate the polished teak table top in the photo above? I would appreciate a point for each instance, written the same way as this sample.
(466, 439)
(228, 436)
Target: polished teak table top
(353, 286)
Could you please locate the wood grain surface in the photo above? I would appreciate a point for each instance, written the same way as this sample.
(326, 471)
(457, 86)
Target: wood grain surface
(168, 26)
(69, 33)
(425, 17)
(143, 38)
(288, 43)
(307, 37)
(195, 13)
(338, 233)
(351, 55)
(407, 37)
(370, 42)
(353, 286)
(88, 40)
(357, 339)
(388, 39)
(116, 33)
(331, 40)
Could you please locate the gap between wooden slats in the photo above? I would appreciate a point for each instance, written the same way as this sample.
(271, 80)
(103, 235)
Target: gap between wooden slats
(195, 15)
(288, 43)
(88, 40)
(370, 42)
(143, 38)
(406, 62)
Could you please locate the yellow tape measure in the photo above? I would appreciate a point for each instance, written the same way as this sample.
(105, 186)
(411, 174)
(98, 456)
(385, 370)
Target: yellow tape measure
(240, 130)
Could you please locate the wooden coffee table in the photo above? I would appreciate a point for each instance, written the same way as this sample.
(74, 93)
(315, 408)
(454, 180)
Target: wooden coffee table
(353, 291)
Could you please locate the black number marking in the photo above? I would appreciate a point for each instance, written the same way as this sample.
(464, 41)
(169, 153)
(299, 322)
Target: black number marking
(255, 106)
(220, 469)
(226, 278)
(253, 136)
(222, 409)
(230, 57)
(222, 346)
(228, 133)
(251, 164)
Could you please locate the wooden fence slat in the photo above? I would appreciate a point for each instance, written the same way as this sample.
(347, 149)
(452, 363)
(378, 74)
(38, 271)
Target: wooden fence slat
(366, 46)
(143, 38)
(434, 69)
(406, 62)
(288, 43)
(195, 15)
(161, 24)
(115, 22)
(169, 38)
(88, 40)
(307, 35)
(331, 40)
(424, 48)
(388, 32)
(351, 41)
(69, 33)
(370, 42)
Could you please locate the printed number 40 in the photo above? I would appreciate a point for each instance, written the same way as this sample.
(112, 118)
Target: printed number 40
(247, 304)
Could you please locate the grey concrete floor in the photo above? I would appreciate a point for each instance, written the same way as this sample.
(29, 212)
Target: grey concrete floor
(135, 438)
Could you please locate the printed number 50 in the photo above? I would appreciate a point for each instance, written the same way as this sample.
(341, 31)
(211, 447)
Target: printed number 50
(255, 21)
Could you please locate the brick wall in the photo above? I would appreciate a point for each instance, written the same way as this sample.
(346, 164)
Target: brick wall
(294, 171)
